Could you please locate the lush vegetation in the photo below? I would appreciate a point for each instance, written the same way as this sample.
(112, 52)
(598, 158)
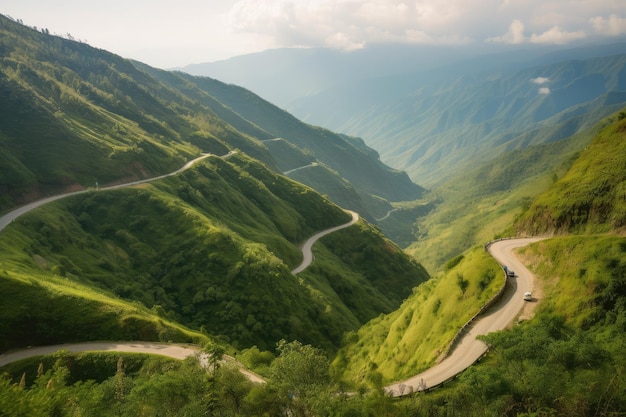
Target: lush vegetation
(591, 198)
(412, 338)
(211, 248)
(72, 115)
(207, 254)
(131, 385)
(568, 360)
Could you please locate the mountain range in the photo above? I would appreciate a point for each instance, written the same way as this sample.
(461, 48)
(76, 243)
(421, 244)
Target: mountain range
(127, 121)
(77, 118)
(206, 255)
(437, 112)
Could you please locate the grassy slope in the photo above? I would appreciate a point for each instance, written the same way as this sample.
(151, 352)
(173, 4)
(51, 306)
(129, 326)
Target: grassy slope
(411, 338)
(482, 203)
(498, 191)
(212, 248)
(592, 196)
(569, 359)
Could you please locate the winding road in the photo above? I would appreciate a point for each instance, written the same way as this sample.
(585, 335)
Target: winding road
(169, 350)
(12, 215)
(467, 351)
(307, 252)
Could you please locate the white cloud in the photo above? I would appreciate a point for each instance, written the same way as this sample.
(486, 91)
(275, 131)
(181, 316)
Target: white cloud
(360, 22)
(349, 24)
(514, 36)
(613, 26)
(544, 91)
(200, 30)
(540, 80)
(557, 36)
(343, 42)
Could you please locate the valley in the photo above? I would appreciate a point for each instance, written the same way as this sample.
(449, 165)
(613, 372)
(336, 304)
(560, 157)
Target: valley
(143, 209)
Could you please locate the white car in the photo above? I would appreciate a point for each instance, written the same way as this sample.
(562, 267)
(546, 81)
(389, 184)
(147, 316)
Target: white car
(528, 296)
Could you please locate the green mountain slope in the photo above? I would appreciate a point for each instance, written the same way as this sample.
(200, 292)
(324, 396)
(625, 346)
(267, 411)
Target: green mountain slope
(439, 123)
(410, 339)
(213, 248)
(591, 197)
(568, 357)
(349, 158)
(73, 115)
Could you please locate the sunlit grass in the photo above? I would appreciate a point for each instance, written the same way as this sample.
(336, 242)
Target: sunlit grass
(411, 338)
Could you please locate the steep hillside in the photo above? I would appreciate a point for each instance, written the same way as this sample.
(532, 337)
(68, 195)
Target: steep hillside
(591, 198)
(349, 157)
(410, 339)
(73, 116)
(212, 248)
(568, 357)
(443, 123)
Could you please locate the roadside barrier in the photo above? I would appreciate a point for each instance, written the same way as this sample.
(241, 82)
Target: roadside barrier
(465, 328)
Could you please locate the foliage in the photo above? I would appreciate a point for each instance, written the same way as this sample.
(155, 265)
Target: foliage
(211, 248)
(482, 203)
(591, 197)
(411, 338)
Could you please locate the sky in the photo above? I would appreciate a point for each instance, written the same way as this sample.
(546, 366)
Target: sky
(174, 33)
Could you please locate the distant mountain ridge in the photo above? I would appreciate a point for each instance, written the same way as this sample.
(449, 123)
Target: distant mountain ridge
(438, 117)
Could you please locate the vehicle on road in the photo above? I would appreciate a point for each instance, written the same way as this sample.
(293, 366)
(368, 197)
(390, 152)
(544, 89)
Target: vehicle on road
(510, 273)
(528, 296)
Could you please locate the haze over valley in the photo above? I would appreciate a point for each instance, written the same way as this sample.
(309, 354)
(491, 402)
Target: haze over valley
(329, 222)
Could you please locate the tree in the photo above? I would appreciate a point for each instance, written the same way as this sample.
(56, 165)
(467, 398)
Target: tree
(300, 375)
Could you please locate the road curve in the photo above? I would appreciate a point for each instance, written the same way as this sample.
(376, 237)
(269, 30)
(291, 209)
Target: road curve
(307, 252)
(12, 215)
(312, 164)
(502, 314)
(173, 351)
(169, 350)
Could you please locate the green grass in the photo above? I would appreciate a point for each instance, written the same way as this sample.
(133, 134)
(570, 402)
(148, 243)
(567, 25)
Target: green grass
(591, 198)
(483, 203)
(211, 248)
(411, 338)
(583, 277)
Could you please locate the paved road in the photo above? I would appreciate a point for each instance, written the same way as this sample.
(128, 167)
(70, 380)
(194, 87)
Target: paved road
(12, 215)
(469, 349)
(179, 352)
(312, 164)
(388, 214)
(307, 253)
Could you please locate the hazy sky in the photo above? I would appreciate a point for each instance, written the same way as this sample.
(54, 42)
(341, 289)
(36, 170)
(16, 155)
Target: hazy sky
(166, 33)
